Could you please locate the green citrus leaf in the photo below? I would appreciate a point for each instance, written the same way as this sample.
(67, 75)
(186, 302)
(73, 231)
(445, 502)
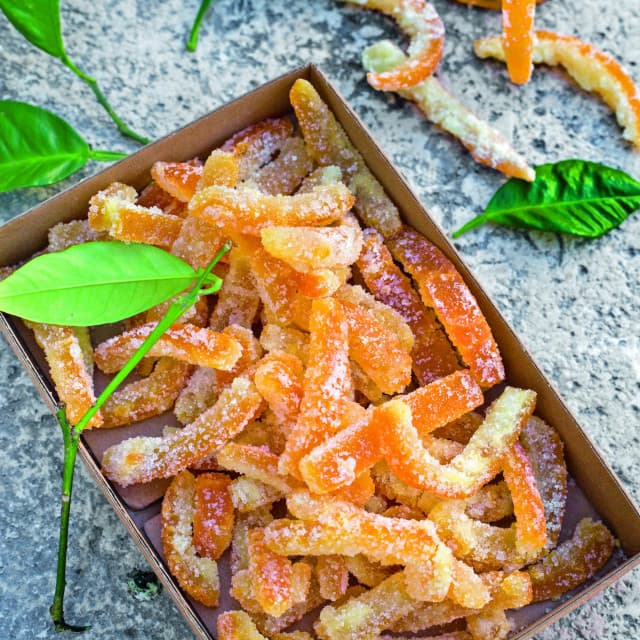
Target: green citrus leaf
(37, 147)
(38, 21)
(94, 283)
(576, 197)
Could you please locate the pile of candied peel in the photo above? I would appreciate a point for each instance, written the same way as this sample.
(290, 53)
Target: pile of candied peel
(519, 46)
(337, 436)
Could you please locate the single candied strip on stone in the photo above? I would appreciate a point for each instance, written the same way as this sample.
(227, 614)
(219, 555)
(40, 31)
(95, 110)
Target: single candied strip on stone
(327, 382)
(421, 22)
(178, 179)
(114, 210)
(185, 342)
(518, 36)
(288, 339)
(506, 591)
(237, 625)
(310, 248)
(238, 300)
(70, 370)
(143, 459)
(443, 289)
(155, 196)
(278, 378)
(364, 617)
(432, 354)
(328, 144)
(147, 397)
(478, 463)
(270, 575)
(592, 68)
(572, 562)
(545, 450)
(67, 234)
(213, 517)
(356, 448)
(221, 167)
(531, 525)
(197, 575)
(486, 144)
(283, 175)
(248, 494)
(255, 145)
(333, 576)
(249, 210)
(377, 349)
(496, 5)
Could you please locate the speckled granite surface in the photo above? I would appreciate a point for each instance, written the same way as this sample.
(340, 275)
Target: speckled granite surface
(575, 304)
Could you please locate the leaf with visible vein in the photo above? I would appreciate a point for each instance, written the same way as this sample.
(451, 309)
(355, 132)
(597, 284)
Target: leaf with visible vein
(575, 197)
(38, 21)
(94, 283)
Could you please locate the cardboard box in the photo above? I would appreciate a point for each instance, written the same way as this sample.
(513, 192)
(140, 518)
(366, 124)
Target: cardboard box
(597, 491)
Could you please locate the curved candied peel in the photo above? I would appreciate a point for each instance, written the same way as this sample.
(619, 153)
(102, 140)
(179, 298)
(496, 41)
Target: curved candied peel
(592, 68)
(419, 20)
(486, 144)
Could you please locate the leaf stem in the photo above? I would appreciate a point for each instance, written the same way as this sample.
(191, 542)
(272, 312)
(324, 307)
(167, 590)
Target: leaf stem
(102, 155)
(71, 435)
(192, 43)
(124, 129)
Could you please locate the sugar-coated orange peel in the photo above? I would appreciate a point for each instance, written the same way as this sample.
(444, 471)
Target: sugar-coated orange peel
(67, 234)
(496, 5)
(432, 354)
(333, 576)
(155, 196)
(143, 459)
(518, 38)
(592, 68)
(197, 574)
(487, 145)
(68, 354)
(340, 459)
(421, 22)
(147, 397)
(114, 210)
(328, 144)
(284, 175)
(185, 342)
(178, 179)
(444, 290)
(572, 562)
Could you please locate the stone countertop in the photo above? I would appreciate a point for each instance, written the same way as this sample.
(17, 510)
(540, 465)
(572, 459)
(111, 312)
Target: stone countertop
(575, 303)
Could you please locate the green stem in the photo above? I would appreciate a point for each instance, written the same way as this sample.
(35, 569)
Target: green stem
(102, 155)
(71, 436)
(71, 442)
(93, 85)
(195, 30)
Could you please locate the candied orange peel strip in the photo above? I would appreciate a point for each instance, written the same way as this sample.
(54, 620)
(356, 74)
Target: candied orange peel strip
(421, 22)
(444, 290)
(155, 196)
(328, 144)
(67, 234)
(340, 459)
(432, 354)
(197, 575)
(333, 576)
(237, 625)
(214, 516)
(326, 384)
(68, 354)
(178, 179)
(249, 211)
(150, 396)
(592, 68)
(572, 562)
(185, 342)
(143, 459)
(114, 210)
(518, 38)
(486, 145)
(480, 460)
